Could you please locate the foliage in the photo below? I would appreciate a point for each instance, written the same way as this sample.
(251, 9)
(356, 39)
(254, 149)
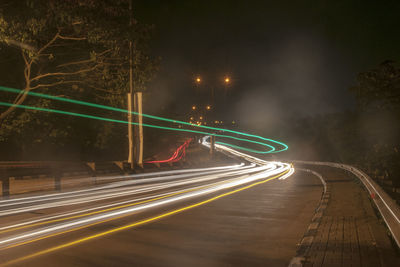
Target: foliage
(74, 48)
(379, 88)
(369, 136)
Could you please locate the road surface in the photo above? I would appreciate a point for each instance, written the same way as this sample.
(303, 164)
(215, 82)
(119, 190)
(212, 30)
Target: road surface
(34, 228)
(249, 214)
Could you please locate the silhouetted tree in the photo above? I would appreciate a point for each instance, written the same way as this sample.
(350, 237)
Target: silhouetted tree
(73, 48)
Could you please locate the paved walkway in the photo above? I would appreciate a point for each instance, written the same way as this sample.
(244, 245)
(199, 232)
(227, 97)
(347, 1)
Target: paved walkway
(349, 232)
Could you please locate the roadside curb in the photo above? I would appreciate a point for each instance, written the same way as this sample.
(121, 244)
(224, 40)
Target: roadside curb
(387, 207)
(308, 237)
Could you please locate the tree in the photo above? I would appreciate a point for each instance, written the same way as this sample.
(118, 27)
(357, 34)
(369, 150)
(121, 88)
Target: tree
(74, 48)
(75, 44)
(378, 96)
(379, 88)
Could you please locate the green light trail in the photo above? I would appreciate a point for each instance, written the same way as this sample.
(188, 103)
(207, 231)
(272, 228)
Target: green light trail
(144, 124)
(271, 148)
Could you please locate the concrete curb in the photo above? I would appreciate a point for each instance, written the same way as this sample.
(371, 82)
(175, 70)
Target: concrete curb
(308, 237)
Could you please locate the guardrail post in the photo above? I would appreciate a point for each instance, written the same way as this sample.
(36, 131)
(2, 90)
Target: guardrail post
(5, 183)
(120, 165)
(92, 166)
(57, 180)
(5, 186)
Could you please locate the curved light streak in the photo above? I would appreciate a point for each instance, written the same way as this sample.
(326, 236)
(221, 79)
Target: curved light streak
(238, 178)
(271, 148)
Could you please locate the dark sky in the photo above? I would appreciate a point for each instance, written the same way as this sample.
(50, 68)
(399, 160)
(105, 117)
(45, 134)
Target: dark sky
(285, 58)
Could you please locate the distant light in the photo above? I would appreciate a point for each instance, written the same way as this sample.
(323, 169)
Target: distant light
(216, 122)
(191, 118)
(233, 122)
(198, 80)
(227, 79)
(201, 117)
(194, 107)
(208, 107)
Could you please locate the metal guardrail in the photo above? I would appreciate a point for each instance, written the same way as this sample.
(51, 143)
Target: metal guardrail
(387, 206)
(53, 169)
(21, 170)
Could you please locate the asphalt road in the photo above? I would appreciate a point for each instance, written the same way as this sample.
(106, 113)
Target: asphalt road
(253, 213)
(260, 225)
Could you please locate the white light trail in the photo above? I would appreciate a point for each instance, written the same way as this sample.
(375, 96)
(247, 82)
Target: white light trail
(192, 183)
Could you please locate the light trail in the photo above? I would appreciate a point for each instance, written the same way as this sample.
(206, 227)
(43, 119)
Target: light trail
(158, 202)
(171, 187)
(118, 192)
(235, 178)
(81, 115)
(125, 227)
(178, 154)
(164, 174)
(271, 148)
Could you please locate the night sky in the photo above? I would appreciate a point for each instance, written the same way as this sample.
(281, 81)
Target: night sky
(285, 58)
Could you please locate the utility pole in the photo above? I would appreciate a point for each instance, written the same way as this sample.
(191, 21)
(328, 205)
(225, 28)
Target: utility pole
(212, 146)
(131, 156)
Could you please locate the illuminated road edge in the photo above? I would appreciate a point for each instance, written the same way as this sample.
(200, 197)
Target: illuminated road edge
(227, 180)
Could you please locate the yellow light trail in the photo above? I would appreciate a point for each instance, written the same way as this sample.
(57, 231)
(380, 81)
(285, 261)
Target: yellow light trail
(118, 229)
(100, 211)
(102, 221)
(91, 213)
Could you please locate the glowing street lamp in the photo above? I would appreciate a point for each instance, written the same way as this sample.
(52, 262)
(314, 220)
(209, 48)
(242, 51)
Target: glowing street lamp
(208, 107)
(193, 107)
(198, 80)
(227, 80)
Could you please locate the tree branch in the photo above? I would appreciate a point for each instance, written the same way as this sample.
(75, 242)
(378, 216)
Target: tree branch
(49, 43)
(75, 63)
(71, 38)
(18, 101)
(64, 73)
(53, 84)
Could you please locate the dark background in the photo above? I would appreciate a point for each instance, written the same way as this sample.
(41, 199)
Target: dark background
(285, 58)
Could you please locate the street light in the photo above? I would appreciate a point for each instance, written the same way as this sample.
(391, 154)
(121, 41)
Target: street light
(208, 107)
(227, 80)
(193, 107)
(198, 80)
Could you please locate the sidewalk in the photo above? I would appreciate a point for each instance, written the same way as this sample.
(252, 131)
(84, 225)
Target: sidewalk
(349, 232)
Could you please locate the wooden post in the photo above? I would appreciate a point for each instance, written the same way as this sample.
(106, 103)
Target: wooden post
(131, 155)
(138, 128)
(212, 145)
(131, 159)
